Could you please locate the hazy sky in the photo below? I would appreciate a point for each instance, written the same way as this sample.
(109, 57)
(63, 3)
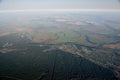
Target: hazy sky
(58, 4)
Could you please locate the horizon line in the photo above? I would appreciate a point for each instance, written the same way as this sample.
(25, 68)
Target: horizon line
(25, 10)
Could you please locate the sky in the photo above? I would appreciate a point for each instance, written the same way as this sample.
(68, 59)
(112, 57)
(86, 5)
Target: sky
(58, 4)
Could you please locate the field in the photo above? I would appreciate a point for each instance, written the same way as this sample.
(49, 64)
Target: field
(60, 45)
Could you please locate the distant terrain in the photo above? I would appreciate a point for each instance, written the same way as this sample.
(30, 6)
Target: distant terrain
(60, 45)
